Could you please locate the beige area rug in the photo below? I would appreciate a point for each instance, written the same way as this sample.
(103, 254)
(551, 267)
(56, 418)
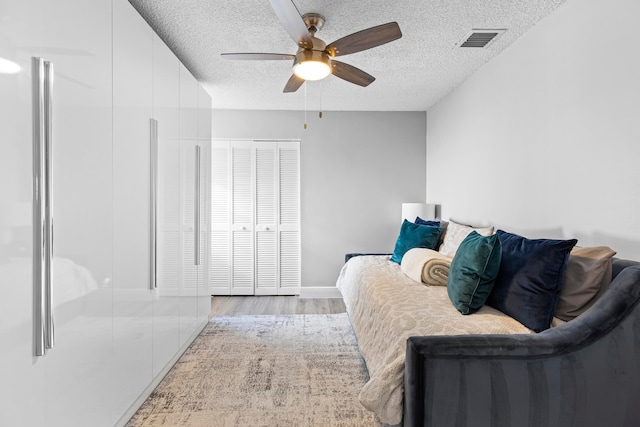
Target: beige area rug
(285, 370)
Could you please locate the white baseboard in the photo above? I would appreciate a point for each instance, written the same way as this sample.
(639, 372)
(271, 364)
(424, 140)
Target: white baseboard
(320, 292)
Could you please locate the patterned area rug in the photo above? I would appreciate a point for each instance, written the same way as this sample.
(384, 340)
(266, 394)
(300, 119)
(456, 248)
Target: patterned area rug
(286, 370)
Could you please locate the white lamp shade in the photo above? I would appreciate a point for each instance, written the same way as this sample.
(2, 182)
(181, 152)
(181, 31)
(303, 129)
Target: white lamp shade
(424, 210)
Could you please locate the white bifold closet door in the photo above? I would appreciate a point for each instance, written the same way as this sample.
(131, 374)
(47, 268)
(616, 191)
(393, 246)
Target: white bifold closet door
(266, 209)
(289, 218)
(242, 254)
(255, 218)
(220, 264)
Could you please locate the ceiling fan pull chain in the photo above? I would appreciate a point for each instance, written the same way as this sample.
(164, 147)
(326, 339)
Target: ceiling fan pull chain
(305, 106)
(320, 112)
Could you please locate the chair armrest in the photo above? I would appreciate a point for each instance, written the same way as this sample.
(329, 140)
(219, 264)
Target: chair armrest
(585, 372)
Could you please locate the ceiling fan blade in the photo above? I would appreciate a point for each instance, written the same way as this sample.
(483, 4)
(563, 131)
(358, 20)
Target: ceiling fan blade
(365, 39)
(292, 21)
(258, 56)
(293, 84)
(351, 74)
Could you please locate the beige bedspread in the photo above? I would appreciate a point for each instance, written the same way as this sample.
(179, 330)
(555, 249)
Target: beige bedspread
(386, 307)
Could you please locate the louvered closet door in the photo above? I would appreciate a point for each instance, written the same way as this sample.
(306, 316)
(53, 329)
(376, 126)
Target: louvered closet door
(220, 250)
(242, 256)
(289, 218)
(255, 218)
(266, 276)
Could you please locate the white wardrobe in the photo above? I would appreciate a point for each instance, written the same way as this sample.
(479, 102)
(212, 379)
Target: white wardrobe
(255, 218)
(90, 318)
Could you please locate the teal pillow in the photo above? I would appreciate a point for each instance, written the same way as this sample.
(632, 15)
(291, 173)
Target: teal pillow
(415, 236)
(473, 271)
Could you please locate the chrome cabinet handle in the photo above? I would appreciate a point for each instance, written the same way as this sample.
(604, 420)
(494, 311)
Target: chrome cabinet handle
(153, 203)
(39, 188)
(48, 114)
(42, 105)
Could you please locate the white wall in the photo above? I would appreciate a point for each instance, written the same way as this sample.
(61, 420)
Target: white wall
(356, 170)
(545, 139)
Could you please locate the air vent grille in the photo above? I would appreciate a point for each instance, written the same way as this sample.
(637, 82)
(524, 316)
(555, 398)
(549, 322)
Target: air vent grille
(480, 38)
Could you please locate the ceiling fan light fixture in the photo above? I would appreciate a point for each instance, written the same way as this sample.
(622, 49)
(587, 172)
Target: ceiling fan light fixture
(312, 65)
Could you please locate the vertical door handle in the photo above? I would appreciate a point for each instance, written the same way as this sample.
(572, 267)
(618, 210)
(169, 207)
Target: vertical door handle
(48, 138)
(39, 223)
(153, 203)
(42, 97)
(197, 208)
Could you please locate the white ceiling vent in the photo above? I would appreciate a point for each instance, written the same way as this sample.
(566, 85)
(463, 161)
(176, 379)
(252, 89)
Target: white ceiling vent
(480, 38)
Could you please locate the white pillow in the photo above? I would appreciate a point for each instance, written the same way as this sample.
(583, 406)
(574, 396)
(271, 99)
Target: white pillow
(456, 233)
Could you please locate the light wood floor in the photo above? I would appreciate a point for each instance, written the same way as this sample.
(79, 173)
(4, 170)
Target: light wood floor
(224, 305)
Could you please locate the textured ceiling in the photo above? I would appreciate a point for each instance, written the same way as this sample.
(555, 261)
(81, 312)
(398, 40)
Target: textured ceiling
(412, 73)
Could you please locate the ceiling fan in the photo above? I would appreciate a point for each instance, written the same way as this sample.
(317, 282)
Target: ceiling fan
(314, 59)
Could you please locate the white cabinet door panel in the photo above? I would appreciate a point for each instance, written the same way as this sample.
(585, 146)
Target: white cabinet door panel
(132, 111)
(188, 104)
(166, 110)
(204, 291)
(166, 305)
(189, 284)
(22, 374)
(189, 170)
(204, 270)
(166, 90)
(79, 369)
(169, 223)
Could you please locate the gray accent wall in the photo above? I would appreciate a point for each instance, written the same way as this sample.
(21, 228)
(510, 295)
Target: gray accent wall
(544, 140)
(356, 170)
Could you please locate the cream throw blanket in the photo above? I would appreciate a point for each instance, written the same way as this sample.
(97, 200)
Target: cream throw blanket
(386, 307)
(426, 266)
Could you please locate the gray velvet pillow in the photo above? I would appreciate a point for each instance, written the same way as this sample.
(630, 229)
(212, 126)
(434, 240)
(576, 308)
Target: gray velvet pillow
(588, 276)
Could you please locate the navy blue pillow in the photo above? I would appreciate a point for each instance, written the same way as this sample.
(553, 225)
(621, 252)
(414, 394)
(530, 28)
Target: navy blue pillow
(415, 236)
(530, 278)
(421, 221)
(434, 223)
